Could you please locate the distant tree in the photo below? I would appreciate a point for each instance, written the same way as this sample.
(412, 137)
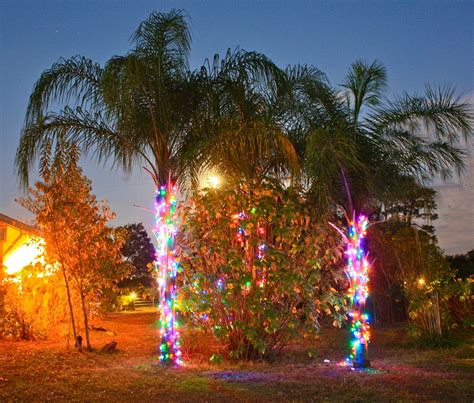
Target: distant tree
(426, 279)
(462, 304)
(463, 264)
(74, 226)
(413, 204)
(412, 279)
(139, 252)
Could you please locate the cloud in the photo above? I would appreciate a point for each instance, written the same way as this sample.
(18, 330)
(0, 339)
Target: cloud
(455, 226)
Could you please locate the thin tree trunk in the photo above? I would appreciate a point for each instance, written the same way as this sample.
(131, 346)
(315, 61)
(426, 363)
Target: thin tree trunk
(68, 291)
(71, 311)
(86, 322)
(375, 310)
(68, 336)
(437, 315)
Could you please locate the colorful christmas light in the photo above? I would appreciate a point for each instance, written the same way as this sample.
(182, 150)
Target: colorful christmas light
(358, 271)
(242, 239)
(167, 266)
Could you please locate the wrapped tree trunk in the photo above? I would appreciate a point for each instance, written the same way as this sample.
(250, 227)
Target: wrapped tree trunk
(167, 266)
(358, 268)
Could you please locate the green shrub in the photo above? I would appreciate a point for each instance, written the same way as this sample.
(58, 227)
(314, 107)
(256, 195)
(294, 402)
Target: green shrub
(418, 338)
(258, 268)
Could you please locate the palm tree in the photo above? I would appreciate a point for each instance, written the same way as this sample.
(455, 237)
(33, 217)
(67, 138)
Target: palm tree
(408, 140)
(314, 117)
(238, 133)
(380, 147)
(148, 108)
(135, 109)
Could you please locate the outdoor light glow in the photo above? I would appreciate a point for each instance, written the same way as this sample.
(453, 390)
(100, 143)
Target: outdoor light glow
(209, 178)
(25, 255)
(167, 266)
(421, 281)
(213, 181)
(358, 271)
(133, 295)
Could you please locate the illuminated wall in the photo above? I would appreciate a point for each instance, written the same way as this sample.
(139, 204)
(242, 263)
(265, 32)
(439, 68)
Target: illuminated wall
(20, 245)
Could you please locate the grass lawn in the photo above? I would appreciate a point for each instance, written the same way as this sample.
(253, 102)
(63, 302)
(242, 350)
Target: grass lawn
(45, 370)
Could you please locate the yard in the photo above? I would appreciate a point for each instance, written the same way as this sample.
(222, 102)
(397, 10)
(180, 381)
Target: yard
(44, 370)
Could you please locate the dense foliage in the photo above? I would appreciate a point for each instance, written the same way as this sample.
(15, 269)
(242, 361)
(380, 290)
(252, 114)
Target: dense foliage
(78, 240)
(139, 252)
(409, 265)
(255, 123)
(463, 264)
(35, 304)
(258, 269)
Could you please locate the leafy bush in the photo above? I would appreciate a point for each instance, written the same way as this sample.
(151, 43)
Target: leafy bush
(420, 339)
(126, 302)
(35, 304)
(411, 262)
(258, 268)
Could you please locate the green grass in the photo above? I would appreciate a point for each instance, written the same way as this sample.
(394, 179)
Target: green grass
(39, 371)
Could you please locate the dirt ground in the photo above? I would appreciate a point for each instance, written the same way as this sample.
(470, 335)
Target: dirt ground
(45, 370)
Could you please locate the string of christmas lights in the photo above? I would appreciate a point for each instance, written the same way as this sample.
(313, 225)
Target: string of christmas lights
(241, 237)
(167, 266)
(358, 271)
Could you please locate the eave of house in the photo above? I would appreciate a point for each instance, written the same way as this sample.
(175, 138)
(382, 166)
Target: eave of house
(14, 235)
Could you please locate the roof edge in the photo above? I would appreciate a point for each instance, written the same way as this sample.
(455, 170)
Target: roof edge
(20, 225)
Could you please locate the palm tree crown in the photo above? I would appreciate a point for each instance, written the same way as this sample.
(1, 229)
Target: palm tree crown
(147, 107)
(246, 117)
(361, 138)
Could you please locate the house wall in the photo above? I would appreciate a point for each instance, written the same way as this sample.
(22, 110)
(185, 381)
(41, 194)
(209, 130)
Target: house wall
(14, 235)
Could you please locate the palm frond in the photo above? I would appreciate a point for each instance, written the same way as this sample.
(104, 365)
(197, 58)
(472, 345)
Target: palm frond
(165, 37)
(419, 158)
(330, 154)
(439, 115)
(241, 70)
(366, 83)
(90, 131)
(253, 151)
(77, 78)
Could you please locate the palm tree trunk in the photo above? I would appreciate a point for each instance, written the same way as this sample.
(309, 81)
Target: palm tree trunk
(167, 267)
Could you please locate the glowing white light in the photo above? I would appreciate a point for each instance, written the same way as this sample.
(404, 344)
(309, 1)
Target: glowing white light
(213, 181)
(209, 178)
(26, 254)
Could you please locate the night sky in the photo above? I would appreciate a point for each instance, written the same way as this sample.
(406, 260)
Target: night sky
(419, 42)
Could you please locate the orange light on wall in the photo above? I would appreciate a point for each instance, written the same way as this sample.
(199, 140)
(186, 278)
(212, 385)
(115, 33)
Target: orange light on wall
(26, 254)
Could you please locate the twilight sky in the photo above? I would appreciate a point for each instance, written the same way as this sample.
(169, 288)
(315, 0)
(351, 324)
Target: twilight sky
(423, 41)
